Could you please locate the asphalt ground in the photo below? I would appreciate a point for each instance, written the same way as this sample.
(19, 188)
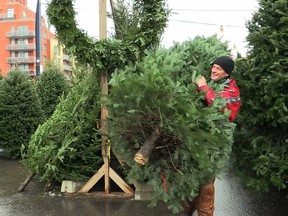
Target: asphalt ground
(231, 199)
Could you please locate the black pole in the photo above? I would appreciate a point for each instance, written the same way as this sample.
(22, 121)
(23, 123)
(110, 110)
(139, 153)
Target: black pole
(38, 38)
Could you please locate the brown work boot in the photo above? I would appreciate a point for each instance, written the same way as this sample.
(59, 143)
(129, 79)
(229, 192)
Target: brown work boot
(205, 204)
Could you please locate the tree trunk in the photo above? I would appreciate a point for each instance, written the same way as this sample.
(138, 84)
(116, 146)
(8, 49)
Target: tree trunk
(26, 182)
(142, 156)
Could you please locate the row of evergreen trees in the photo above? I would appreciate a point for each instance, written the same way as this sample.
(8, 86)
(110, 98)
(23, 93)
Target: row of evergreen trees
(50, 123)
(25, 103)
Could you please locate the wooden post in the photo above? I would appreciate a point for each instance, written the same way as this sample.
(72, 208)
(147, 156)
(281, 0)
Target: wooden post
(105, 170)
(104, 91)
(102, 19)
(104, 143)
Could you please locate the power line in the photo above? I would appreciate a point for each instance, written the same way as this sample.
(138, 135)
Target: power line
(203, 23)
(217, 10)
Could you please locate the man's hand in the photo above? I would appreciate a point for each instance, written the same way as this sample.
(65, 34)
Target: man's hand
(200, 81)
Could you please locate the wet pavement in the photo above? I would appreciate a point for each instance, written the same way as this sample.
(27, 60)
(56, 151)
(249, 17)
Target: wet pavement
(232, 199)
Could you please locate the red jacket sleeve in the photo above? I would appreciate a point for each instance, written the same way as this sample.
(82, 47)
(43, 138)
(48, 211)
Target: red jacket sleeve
(230, 93)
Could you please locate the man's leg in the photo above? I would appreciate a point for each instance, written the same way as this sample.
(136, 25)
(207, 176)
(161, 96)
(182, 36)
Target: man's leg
(189, 206)
(205, 204)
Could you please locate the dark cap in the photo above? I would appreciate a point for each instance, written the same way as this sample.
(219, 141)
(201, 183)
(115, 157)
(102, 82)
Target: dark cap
(226, 63)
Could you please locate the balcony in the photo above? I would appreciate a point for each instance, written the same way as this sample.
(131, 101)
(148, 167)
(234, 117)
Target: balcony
(5, 16)
(19, 60)
(67, 58)
(67, 68)
(20, 47)
(30, 72)
(20, 34)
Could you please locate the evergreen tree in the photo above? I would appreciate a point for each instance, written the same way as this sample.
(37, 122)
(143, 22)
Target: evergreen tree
(20, 112)
(195, 140)
(67, 145)
(262, 133)
(51, 85)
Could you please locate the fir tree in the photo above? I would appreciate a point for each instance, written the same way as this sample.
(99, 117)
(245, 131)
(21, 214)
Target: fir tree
(195, 140)
(263, 119)
(67, 145)
(20, 112)
(51, 85)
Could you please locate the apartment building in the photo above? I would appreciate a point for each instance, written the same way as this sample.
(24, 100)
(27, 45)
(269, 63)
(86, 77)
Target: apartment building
(59, 56)
(18, 40)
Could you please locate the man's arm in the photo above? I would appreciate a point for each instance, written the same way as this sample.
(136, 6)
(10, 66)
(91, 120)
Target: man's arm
(202, 86)
(230, 93)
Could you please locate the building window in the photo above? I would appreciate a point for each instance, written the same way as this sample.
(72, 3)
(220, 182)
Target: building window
(24, 15)
(45, 35)
(23, 67)
(22, 41)
(55, 50)
(10, 13)
(23, 54)
(22, 29)
(45, 47)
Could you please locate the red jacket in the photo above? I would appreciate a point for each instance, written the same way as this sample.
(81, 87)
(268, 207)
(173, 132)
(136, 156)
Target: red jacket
(231, 93)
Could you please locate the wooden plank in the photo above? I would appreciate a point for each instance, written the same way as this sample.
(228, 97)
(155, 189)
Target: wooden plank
(104, 92)
(92, 181)
(120, 182)
(102, 19)
(107, 174)
(113, 175)
(104, 113)
(102, 194)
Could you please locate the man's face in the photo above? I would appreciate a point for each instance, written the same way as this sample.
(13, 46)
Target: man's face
(217, 73)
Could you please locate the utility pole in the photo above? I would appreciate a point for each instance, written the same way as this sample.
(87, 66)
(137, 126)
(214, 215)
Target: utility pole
(38, 30)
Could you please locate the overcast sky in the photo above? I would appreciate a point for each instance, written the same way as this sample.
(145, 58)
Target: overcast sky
(188, 19)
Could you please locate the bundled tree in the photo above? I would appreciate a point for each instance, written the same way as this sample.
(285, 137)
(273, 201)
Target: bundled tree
(20, 112)
(51, 85)
(67, 145)
(155, 105)
(263, 121)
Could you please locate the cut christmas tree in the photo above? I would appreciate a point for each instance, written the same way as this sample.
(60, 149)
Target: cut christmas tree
(160, 125)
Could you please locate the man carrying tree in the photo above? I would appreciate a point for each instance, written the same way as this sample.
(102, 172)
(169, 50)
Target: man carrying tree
(221, 70)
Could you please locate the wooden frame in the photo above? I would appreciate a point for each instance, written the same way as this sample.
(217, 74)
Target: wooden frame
(105, 170)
